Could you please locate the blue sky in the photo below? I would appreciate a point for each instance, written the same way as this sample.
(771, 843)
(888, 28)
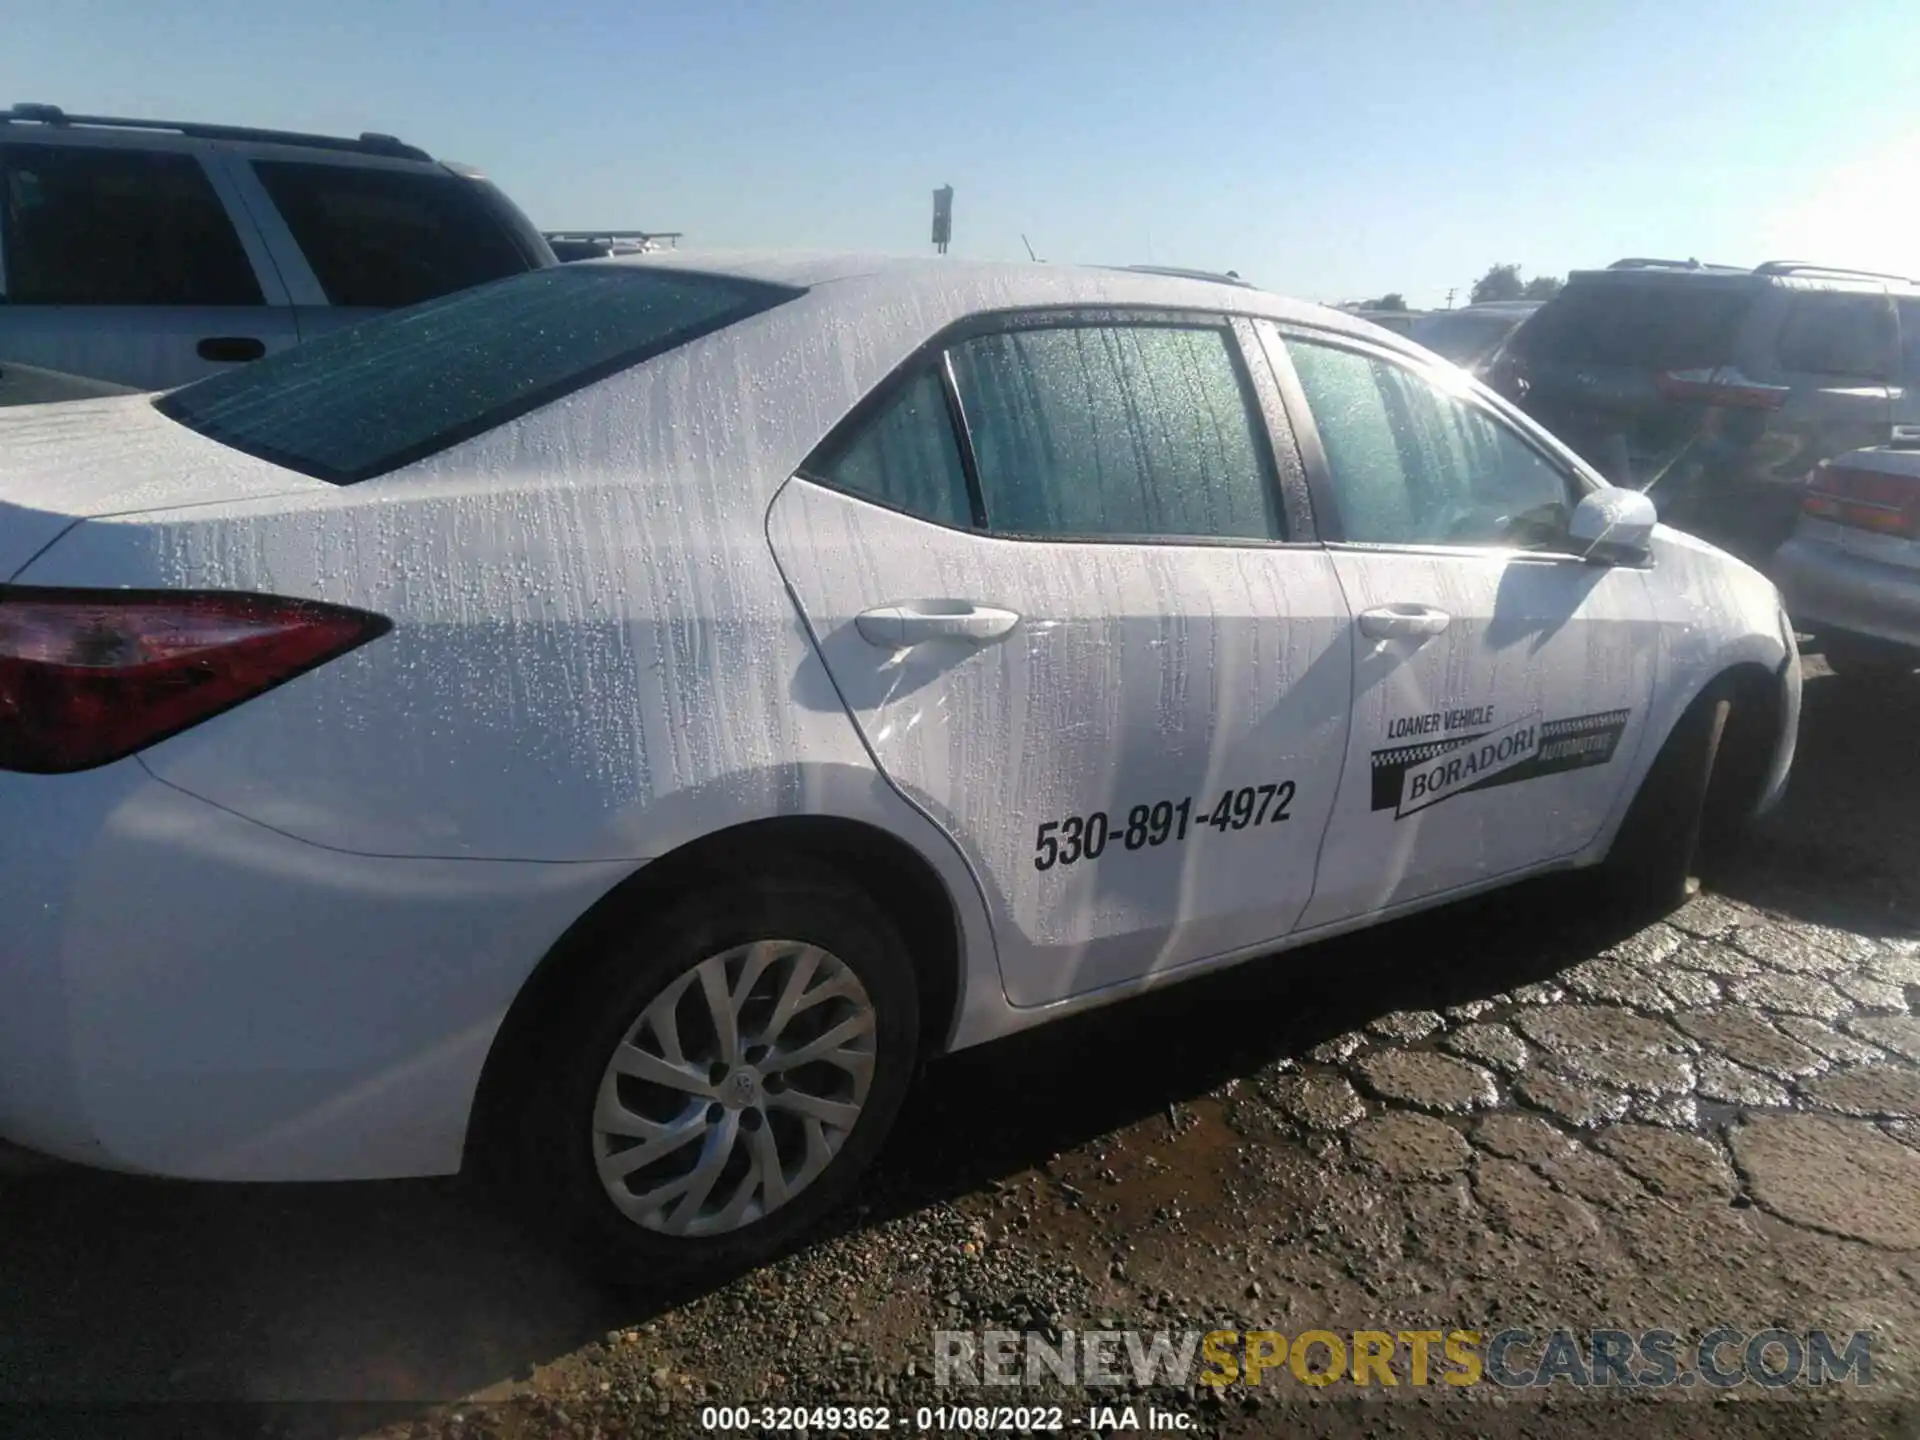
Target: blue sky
(1329, 151)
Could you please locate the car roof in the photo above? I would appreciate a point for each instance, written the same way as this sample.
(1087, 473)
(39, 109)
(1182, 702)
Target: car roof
(944, 289)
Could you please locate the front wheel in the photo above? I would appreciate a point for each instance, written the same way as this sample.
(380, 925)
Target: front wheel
(1650, 869)
(713, 1086)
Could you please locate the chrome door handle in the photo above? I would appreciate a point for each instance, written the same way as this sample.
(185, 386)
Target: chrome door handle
(1399, 622)
(898, 626)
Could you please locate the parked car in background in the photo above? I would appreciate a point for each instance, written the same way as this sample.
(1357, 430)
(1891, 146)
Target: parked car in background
(613, 722)
(1851, 571)
(1470, 335)
(1716, 388)
(149, 253)
(571, 245)
(1400, 322)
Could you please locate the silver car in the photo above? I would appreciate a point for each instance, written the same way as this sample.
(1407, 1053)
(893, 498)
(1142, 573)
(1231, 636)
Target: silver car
(149, 253)
(1851, 571)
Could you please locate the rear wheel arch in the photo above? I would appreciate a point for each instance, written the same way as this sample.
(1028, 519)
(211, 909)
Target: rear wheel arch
(894, 875)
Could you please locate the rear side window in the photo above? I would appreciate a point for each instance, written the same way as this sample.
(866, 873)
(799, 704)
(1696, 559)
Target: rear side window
(1833, 334)
(906, 457)
(1650, 325)
(1116, 430)
(387, 238)
(118, 227)
(1910, 341)
(372, 397)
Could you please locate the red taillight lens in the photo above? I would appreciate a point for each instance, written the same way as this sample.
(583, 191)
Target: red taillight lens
(1727, 389)
(88, 676)
(1864, 499)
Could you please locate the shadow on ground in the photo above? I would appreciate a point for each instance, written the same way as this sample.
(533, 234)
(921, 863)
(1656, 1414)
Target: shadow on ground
(121, 1289)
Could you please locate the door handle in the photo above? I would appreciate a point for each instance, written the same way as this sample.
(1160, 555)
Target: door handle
(898, 626)
(1399, 622)
(230, 347)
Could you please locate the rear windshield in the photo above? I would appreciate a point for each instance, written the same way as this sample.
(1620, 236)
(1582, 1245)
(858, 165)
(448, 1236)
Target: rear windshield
(378, 395)
(1649, 325)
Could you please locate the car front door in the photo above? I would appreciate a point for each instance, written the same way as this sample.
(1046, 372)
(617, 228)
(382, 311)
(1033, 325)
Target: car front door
(1060, 572)
(1500, 683)
(128, 265)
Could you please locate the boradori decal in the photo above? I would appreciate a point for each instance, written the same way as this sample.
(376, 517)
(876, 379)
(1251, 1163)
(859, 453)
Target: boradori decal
(1409, 778)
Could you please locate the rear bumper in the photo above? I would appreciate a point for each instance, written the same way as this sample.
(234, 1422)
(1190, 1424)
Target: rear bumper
(1829, 589)
(184, 992)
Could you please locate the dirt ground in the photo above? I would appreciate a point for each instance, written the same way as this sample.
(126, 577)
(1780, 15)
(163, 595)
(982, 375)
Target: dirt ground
(1515, 1114)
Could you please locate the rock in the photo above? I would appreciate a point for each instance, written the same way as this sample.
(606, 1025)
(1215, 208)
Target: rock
(1828, 1043)
(1712, 917)
(1319, 1102)
(1833, 1175)
(1526, 1138)
(1559, 1028)
(1538, 993)
(1790, 994)
(1582, 1106)
(1594, 1178)
(1734, 1084)
(1649, 947)
(1721, 960)
(1899, 1034)
(1338, 1050)
(1526, 1206)
(1489, 1043)
(1474, 1009)
(1689, 989)
(1663, 1073)
(1405, 1025)
(1411, 1147)
(1795, 950)
(1899, 970)
(1429, 1081)
(1680, 1167)
(1871, 994)
(1617, 981)
(1887, 1092)
(1748, 1037)
(1676, 1112)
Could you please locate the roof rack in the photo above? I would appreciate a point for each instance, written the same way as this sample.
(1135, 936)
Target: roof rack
(595, 236)
(368, 143)
(1803, 267)
(1641, 262)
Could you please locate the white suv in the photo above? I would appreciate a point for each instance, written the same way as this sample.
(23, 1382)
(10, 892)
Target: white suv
(150, 253)
(622, 718)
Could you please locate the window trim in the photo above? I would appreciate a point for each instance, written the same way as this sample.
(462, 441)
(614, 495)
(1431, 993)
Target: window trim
(1288, 482)
(1475, 397)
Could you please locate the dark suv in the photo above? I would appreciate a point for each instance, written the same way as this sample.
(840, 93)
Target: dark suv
(1718, 389)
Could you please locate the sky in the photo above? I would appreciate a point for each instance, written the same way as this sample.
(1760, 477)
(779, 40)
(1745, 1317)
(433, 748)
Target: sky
(1330, 151)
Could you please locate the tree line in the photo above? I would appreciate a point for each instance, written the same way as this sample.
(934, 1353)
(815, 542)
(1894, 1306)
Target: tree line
(1501, 282)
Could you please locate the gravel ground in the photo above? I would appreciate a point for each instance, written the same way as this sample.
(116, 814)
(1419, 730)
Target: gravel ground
(1513, 1114)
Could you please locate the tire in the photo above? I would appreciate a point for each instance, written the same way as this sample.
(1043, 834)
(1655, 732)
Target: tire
(1650, 868)
(1868, 662)
(577, 1113)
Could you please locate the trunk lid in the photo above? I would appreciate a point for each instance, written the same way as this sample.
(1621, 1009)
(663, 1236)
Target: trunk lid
(79, 459)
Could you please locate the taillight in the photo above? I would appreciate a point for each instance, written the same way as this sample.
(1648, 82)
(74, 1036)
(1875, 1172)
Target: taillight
(1720, 386)
(88, 676)
(1864, 499)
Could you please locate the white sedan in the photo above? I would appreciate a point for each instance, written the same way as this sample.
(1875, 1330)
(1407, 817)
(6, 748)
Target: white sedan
(618, 720)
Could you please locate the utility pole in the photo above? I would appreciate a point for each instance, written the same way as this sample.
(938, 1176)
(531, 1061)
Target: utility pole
(942, 218)
(1450, 295)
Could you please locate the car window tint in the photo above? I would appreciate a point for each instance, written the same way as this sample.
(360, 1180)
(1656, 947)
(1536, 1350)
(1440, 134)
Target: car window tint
(1910, 341)
(118, 227)
(905, 456)
(1838, 335)
(1413, 465)
(372, 397)
(1116, 430)
(1670, 324)
(386, 238)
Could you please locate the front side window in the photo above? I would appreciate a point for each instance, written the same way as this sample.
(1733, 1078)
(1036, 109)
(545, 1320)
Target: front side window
(85, 226)
(905, 456)
(374, 396)
(1091, 431)
(387, 238)
(1413, 465)
(1838, 335)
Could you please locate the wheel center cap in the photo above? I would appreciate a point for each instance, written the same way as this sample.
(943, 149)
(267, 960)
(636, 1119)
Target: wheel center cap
(742, 1089)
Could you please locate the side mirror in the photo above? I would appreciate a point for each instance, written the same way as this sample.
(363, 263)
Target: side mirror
(1613, 527)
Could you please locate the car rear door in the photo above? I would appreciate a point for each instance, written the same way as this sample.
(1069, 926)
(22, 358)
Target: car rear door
(1061, 572)
(1836, 354)
(131, 265)
(1500, 683)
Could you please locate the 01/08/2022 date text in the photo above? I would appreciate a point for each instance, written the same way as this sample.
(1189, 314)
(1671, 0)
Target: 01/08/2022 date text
(1088, 837)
